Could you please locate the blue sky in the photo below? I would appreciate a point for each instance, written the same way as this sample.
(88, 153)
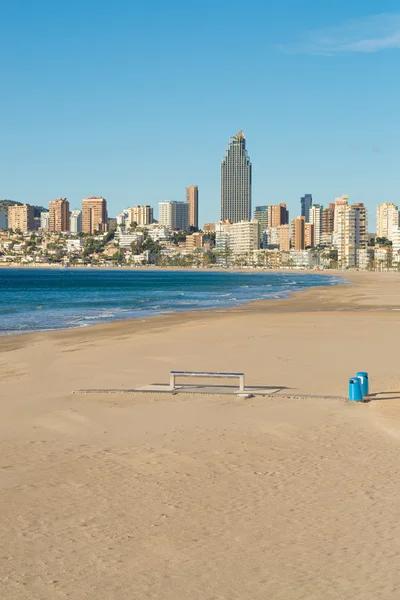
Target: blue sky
(135, 100)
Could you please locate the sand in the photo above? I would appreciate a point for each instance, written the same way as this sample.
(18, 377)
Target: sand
(206, 497)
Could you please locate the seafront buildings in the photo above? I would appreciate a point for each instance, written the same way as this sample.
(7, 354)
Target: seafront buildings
(59, 215)
(331, 236)
(174, 215)
(94, 215)
(236, 181)
(192, 198)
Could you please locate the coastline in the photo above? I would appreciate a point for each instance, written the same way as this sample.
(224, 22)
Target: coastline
(179, 496)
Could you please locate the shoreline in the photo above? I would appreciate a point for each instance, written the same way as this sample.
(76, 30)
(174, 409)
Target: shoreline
(285, 295)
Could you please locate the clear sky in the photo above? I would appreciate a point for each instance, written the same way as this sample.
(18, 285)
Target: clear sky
(135, 100)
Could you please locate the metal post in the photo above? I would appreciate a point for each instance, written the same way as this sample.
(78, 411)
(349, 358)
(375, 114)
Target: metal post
(171, 381)
(241, 383)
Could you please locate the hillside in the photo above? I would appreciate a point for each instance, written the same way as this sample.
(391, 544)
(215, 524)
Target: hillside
(6, 203)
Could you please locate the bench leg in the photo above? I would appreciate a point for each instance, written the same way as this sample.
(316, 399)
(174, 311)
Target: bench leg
(171, 382)
(241, 383)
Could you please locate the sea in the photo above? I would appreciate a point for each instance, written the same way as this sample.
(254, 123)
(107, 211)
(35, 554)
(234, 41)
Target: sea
(48, 299)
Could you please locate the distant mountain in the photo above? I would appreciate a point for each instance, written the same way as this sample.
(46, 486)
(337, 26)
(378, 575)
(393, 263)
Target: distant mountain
(6, 203)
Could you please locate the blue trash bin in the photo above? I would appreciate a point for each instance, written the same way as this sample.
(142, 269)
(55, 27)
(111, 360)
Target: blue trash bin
(355, 392)
(364, 382)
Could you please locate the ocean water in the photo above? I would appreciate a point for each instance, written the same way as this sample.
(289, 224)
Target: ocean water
(45, 299)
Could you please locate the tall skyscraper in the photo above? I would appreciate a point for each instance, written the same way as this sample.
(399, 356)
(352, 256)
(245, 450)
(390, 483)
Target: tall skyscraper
(44, 220)
(174, 215)
(387, 220)
(94, 215)
(236, 181)
(21, 217)
(277, 215)
(261, 215)
(306, 202)
(192, 198)
(76, 221)
(59, 215)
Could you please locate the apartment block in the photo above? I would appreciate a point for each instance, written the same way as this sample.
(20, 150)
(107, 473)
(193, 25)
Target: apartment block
(192, 198)
(94, 215)
(141, 215)
(59, 215)
(21, 218)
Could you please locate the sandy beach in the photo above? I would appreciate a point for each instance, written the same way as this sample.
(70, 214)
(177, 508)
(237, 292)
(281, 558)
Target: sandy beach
(206, 497)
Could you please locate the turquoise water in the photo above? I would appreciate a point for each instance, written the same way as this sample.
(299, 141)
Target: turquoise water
(43, 299)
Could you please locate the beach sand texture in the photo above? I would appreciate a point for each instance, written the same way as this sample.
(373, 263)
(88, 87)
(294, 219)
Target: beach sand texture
(169, 497)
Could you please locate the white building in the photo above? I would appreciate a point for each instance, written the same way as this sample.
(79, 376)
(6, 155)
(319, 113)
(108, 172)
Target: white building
(123, 219)
(315, 218)
(75, 222)
(396, 246)
(74, 245)
(3, 218)
(365, 258)
(141, 215)
(158, 233)
(387, 220)
(350, 231)
(44, 221)
(126, 239)
(271, 236)
(244, 237)
(174, 215)
(303, 259)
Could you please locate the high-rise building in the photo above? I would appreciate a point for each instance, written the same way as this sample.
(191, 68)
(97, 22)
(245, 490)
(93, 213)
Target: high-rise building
(76, 221)
(192, 198)
(21, 218)
(315, 218)
(174, 215)
(59, 215)
(309, 235)
(350, 230)
(236, 181)
(298, 233)
(387, 220)
(261, 215)
(277, 215)
(3, 218)
(141, 215)
(284, 238)
(244, 237)
(94, 215)
(328, 219)
(45, 220)
(306, 202)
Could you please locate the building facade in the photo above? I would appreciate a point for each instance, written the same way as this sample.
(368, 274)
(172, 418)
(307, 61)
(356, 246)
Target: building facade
(328, 221)
(3, 218)
(141, 215)
(174, 215)
(236, 181)
(44, 220)
(192, 198)
(387, 220)
(277, 215)
(298, 233)
(94, 215)
(76, 221)
(59, 215)
(244, 237)
(350, 231)
(315, 218)
(21, 218)
(305, 204)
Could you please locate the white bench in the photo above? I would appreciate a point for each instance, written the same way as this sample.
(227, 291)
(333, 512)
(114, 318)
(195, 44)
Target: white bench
(175, 374)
